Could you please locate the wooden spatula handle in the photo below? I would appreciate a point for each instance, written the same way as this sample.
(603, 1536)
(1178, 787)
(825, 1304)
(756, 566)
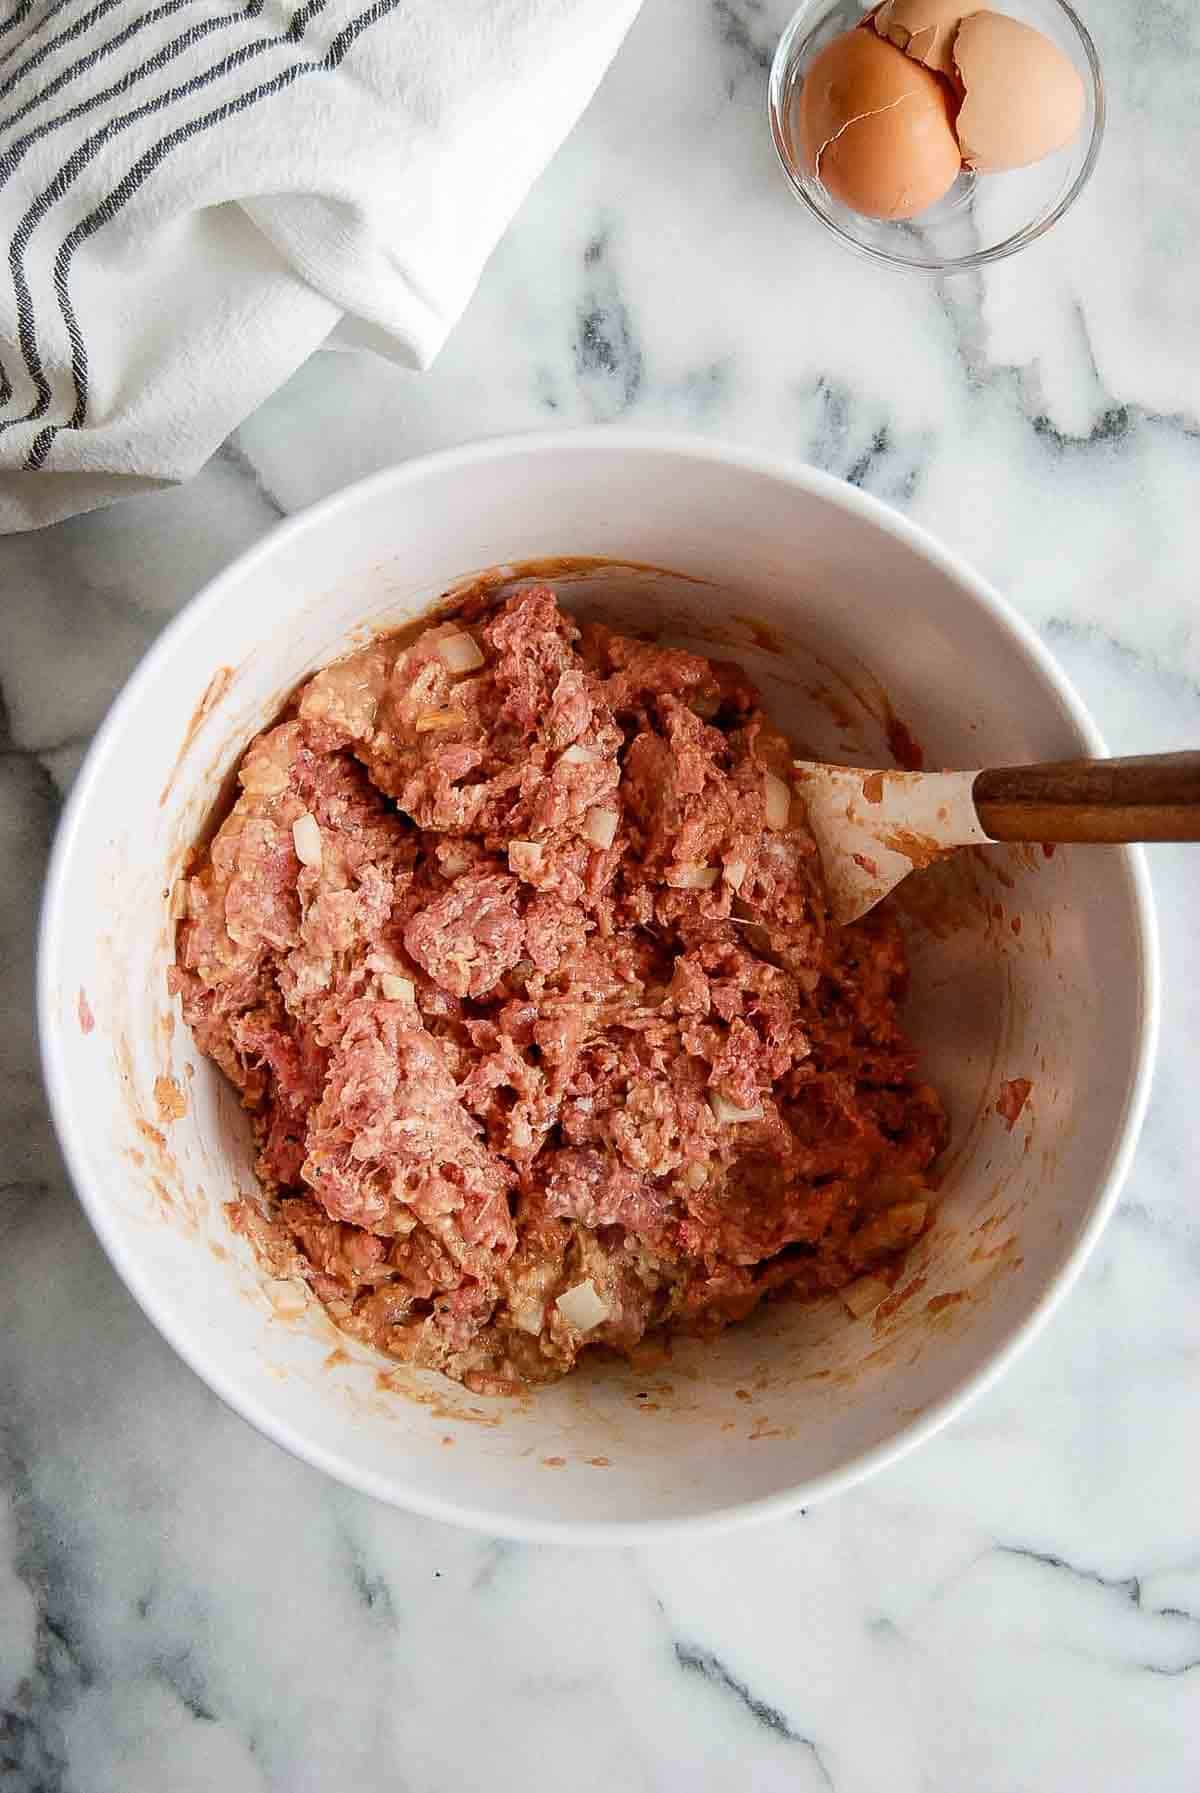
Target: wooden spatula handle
(1156, 797)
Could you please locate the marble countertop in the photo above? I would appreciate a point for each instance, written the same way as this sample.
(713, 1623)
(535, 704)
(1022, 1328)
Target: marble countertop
(1017, 1605)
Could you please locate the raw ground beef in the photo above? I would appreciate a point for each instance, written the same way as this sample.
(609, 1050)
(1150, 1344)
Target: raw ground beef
(518, 953)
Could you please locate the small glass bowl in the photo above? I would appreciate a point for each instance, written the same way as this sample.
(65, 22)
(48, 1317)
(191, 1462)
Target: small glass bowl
(982, 218)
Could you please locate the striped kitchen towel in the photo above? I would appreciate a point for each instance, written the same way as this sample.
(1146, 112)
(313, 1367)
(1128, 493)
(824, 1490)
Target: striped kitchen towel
(195, 196)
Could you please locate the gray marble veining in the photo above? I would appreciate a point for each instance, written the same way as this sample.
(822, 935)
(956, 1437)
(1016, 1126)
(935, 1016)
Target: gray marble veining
(1017, 1605)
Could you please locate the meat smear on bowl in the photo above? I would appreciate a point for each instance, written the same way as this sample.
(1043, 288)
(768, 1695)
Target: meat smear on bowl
(519, 957)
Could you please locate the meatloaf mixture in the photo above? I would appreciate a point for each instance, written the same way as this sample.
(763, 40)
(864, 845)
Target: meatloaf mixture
(515, 946)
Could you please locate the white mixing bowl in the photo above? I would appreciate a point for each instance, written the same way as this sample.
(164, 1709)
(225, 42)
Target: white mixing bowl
(1025, 966)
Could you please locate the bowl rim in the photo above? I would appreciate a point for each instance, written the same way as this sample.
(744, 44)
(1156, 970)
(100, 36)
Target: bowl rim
(777, 96)
(601, 440)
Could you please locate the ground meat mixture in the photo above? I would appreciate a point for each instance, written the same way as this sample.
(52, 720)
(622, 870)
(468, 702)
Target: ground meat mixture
(515, 945)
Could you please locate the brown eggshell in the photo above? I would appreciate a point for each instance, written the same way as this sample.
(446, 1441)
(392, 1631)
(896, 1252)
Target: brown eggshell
(924, 30)
(874, 126)
(1022, 97)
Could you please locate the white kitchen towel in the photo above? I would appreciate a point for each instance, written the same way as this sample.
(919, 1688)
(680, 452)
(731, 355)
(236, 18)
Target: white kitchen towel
(195, 196)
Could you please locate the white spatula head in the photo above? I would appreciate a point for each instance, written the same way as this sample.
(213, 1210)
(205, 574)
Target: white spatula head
(873, 828)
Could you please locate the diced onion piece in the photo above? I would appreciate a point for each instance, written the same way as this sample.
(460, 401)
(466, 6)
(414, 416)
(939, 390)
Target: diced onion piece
(288, 1297)
(525, 857)
(893, 1187)
(306, 837)
(778, 801)
(863, 1295)
(581, 1307)
(892, 1228)
(693, 877)
(909, 1219)
(529, 1318)
(725, 1111)
(453, 865)
(429, 720)
(696, 1176)
(735, 873)
(580, 756)
(459, 653)
(600, 827)
(396, 988)
(180, 902)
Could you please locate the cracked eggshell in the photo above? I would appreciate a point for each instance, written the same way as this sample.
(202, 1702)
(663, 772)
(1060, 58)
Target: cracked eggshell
(924, 30)
(1022, 96)
(873, 125)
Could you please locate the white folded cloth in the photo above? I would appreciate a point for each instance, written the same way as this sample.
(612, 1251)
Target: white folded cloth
(195, 196)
